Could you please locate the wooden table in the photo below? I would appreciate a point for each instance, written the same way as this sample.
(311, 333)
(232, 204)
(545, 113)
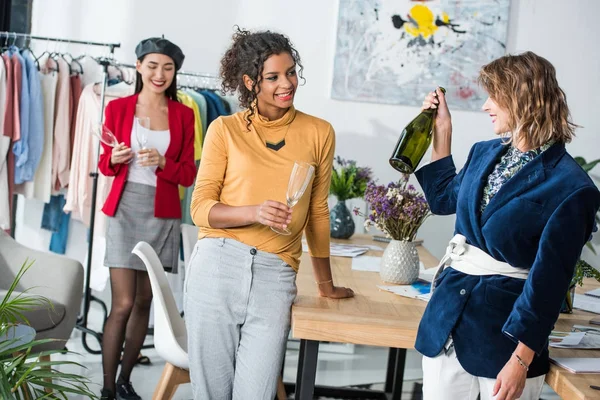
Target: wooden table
(378, 318)
(373, 317)
(567, 385)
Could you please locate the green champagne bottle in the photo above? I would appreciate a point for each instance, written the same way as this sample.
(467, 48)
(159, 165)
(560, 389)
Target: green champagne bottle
(414, 141)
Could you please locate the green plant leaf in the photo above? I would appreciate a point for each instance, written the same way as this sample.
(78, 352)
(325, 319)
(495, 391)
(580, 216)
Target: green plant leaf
(587, 167)
(27, 346)
(22, 371)
(580, 160)
(78, 389)
(591, 247)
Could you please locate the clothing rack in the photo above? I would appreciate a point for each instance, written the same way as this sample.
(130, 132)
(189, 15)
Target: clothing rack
(179, 73)
(205, 76)
(82, 320)
(15, 35)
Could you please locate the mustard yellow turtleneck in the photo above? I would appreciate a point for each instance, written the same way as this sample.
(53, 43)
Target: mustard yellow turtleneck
(237, 169)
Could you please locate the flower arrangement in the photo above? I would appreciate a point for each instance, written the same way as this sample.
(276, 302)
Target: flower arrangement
(348, 181)
(397, 209)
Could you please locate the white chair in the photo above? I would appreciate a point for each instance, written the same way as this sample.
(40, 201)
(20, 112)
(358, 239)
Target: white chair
(170, 335)
(189, 238)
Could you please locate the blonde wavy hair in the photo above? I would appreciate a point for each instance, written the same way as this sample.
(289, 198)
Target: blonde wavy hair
(525, 86)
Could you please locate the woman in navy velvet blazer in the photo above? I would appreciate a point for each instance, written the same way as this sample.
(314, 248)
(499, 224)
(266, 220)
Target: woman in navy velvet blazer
(524, 201)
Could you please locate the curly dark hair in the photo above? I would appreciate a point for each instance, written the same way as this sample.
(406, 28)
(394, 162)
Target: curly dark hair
(247, 56)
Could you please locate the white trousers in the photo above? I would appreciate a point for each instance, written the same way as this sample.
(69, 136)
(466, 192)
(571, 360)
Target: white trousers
(445, 379)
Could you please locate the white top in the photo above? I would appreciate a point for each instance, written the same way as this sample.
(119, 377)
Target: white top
(158, 140)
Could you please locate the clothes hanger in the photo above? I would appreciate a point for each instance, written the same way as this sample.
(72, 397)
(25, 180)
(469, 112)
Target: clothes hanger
(7, 44)
(27, 47)
(62, 55)
(45, 52)
(72, 60)
(76, 62)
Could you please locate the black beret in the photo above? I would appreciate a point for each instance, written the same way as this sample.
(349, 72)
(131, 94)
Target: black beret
(161, 46)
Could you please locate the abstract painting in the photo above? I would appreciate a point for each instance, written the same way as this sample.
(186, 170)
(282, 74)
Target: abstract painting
(396, 51)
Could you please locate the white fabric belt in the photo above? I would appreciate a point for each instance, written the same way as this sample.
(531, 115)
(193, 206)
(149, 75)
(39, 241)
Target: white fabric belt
(471, 260)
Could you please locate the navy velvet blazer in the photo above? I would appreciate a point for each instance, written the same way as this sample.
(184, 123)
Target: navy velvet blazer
(540, 219)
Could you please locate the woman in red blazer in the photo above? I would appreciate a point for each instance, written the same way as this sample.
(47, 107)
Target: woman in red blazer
(143, 203)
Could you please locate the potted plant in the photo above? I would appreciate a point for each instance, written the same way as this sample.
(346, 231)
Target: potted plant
(24, 374)
(348, 181)
(582, 268)
(398, 210)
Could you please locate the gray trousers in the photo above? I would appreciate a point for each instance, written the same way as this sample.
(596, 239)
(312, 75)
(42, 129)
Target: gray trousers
(237, 312)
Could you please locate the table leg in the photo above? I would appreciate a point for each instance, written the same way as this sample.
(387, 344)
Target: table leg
(399, 374)
(307, 369)
(391, 370)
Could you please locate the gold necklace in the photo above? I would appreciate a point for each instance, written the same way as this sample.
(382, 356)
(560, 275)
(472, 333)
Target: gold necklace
(270, 145)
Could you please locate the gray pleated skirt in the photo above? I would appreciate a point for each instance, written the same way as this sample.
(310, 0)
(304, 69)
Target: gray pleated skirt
(133, 222)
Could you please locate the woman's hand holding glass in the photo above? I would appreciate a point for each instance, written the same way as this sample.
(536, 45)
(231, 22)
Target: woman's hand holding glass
(273, 214)
(300, 178)
(150, 158)
(121, 154)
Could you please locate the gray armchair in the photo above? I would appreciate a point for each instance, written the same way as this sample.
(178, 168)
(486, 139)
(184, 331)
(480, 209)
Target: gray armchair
(56, 277)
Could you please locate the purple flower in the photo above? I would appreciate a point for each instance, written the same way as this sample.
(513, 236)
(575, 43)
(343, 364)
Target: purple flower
(396, 208)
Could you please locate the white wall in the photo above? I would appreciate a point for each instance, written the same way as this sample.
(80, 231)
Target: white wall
(564, 31)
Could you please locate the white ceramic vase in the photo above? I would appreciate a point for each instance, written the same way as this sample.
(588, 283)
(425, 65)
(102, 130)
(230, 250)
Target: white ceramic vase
(400, 263)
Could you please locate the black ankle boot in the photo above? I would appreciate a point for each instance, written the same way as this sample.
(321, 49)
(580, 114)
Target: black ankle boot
(106, 394)
(126, 392)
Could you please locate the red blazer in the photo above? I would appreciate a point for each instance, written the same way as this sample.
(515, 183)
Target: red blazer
(180, 168)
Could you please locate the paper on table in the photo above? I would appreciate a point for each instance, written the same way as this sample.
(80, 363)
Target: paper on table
(593, 293)
(418, 290)
(341, 250)
(579, 365)
(427, 274)
(591, 338)
(566, 339)
(373, 264)
(586, 303)
(374, 247)
(366, 263)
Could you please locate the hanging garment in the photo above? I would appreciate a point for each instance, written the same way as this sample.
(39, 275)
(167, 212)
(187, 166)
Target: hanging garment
(4, 146)
(20, 147)
(201, 102)
(85, 147)
(12, 116)
(233, 102)
(186, 99)
(61, 155)
(55, 220)
(43, 175)
(186, 202)
(75, 95)
(92, 70)
(218, 108)
(211, 107)
(25, 172)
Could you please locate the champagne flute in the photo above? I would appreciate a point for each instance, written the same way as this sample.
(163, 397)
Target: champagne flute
(104, 135)
(142, 127)
(299, 179)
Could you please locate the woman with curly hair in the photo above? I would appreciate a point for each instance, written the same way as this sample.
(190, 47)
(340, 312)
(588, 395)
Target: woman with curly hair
(241, 282)
(524, 210)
